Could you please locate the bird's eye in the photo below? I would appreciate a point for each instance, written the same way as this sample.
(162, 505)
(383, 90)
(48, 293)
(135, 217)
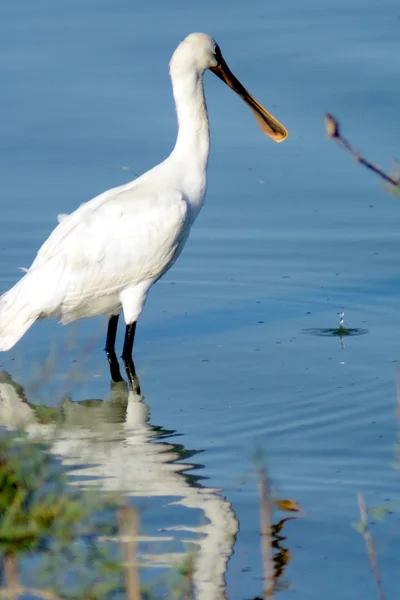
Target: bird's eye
(218, 54)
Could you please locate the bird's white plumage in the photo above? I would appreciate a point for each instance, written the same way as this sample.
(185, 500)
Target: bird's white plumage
(107, 254)
(113, 243)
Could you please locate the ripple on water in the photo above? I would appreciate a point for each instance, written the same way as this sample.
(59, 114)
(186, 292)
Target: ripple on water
(338, 331)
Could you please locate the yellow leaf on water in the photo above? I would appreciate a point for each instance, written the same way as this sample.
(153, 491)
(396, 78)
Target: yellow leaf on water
(287, 505)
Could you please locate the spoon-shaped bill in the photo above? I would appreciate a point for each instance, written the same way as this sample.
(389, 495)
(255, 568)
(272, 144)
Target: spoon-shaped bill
(267, 122)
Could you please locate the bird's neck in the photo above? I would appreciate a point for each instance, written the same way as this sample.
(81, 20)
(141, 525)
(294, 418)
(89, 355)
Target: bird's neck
(193, 141)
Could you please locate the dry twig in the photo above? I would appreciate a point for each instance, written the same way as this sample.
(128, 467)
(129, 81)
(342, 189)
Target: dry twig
(128, 531)
(373, 561)
(10, 566)
(188, 593)
(332, 129)
(266, 541)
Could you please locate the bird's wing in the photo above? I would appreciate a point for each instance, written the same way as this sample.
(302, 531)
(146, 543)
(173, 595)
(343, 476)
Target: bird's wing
(120, 238)
(69, 223)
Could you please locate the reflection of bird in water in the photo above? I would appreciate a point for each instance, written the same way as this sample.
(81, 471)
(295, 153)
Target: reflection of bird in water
(105, 256)
(115, 446)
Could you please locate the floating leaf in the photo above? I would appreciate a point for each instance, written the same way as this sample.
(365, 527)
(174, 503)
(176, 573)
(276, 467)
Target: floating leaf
(287, 505)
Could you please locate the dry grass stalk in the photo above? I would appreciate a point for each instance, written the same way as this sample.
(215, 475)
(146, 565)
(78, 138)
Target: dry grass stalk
(189, 587)
(373, 561)
(128, 531)
(332, 129)
(266, 540)
(11, 575)
(14, 590)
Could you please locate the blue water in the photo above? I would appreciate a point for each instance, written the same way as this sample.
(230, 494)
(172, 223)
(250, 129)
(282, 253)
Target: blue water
(289, 236)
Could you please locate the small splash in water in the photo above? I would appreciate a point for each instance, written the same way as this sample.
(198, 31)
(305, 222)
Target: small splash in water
(340, 331)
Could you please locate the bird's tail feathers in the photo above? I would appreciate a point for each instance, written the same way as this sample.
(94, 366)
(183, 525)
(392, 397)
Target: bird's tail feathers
(16, 312)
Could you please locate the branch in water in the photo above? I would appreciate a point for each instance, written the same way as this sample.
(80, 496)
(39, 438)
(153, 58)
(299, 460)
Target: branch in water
(370, 545)
(332, 129)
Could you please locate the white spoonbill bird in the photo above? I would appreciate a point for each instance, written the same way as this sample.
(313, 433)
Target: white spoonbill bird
(104, 257)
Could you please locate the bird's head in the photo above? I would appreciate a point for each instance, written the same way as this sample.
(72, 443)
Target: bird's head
(199, 52)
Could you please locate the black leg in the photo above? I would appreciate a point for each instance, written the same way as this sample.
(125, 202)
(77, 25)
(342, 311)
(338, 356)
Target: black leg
(110, 351)
(111, 333)
(131, 374)
(114, 366)
(127, 357)
(128, 342)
